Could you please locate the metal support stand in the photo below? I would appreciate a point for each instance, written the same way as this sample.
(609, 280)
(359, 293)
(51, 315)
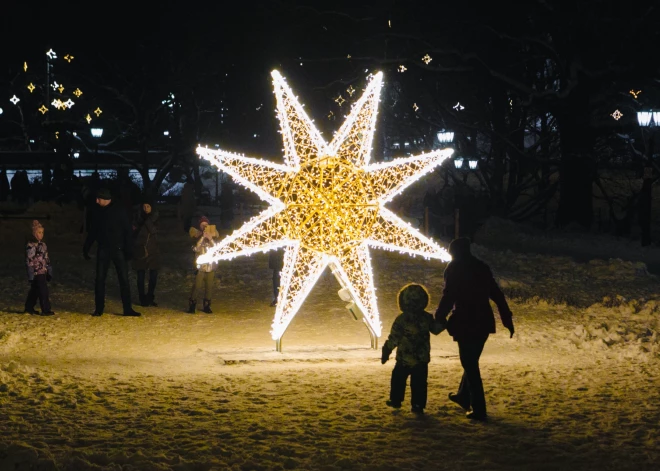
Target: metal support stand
(345, 295)
(278, 345)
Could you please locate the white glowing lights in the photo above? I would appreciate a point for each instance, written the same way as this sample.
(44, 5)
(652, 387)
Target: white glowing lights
(445, 137)
(617, 115)
(427, 59)
(69, 103)
(14, 99)
(327, 205)
(402, 68)
(458, 106)
(51, 54)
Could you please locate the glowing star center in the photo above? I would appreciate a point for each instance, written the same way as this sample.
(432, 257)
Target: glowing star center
(330, 206)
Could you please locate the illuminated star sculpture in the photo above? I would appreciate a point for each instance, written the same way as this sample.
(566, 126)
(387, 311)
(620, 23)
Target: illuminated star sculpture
(327, 206)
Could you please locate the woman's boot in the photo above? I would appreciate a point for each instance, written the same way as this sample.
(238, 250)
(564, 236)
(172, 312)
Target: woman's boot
(192, 303)
(207, 306)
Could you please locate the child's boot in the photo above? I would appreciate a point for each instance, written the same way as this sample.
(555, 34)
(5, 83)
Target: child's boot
(192, 303)
(207, 306)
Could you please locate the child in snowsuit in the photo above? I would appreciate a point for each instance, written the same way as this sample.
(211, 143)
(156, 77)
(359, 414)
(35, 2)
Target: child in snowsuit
(205, 273)
(410, 336)
(39, 271)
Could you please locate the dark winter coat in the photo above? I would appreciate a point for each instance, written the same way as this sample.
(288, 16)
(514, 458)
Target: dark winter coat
(146, 255)
(276, 259)
(410, 335)
(111, 230)
(469, 287)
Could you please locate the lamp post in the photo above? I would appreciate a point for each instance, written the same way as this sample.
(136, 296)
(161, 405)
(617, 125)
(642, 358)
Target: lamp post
(647, 119)
(96, 134)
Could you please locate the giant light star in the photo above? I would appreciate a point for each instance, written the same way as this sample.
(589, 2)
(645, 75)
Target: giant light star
(327, 205)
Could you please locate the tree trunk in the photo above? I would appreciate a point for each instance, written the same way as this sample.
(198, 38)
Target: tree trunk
(577, 166)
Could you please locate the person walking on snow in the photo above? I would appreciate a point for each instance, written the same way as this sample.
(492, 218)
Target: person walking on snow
(111, 230)
(469, 287)
(410, 336)
(39, 271)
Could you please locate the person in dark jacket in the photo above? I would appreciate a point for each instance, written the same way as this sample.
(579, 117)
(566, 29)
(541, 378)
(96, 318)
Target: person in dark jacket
(146, 253)
(469, 287)
(410, 336)
(111, 230)
(275, 263)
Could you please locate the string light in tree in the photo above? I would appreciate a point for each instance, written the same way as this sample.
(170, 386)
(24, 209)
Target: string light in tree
(14, 99)
(60, 89)
(57, 103)
(24, 66)
(331, 115)
(348, 56)
(402, 68)
(88, 118)
(68, 58)
(616, 115)
(427, 59)
(43, 109)
(458, 106)
(340, 100)
(98, 112)
(415, 107)
(31, 87)
(350, 90)
(51, 54)
(327, 205)
(69, 103)
(55, 85)
(634, 93)
(77, 92)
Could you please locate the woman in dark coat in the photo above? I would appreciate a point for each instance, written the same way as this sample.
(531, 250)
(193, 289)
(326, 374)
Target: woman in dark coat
(147, 255)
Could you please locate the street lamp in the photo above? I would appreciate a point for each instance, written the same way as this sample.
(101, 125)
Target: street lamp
(647, 119)
(445, 137)
(96, 134)
(472, 163)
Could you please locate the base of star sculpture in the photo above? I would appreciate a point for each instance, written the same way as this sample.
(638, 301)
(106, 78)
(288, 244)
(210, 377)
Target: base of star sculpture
(352, 307)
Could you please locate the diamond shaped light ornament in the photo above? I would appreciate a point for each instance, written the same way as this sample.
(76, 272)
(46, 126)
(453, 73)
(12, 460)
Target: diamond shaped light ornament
(327, 206)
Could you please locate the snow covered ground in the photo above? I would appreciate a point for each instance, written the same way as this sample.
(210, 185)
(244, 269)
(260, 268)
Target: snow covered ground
(578, 387)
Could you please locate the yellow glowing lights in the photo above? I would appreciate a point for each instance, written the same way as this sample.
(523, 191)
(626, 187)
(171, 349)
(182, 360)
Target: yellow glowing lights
(634, 93)
(68, 58)
(77, 92)
(88, 118)
(43, 109)
(340, 100)
(327, 205)
(402, 68)
(98, 112)
(57, 103)
(31, 87)
(427, 59)
(616, 115)
(60, 88)
(24, 66)
(350, 90)
(415, 107)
